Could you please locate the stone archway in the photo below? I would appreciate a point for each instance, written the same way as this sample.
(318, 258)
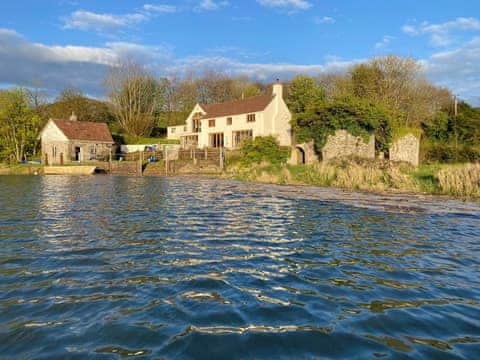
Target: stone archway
(300, 155)
(303, 154)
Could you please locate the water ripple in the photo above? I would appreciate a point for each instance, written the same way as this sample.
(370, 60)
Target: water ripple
(115, 267)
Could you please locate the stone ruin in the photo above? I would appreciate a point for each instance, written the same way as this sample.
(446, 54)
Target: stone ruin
(406, 149)
(343, 144)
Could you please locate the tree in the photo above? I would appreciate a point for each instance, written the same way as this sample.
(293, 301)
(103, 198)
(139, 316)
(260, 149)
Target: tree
(135, 95)
(19, 125)
(303, 92)
(85, 109)
(358, 116)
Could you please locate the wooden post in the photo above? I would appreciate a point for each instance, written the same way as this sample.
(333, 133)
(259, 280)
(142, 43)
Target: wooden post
(221, 158)
(166, 159)
(206, 154)
(61, 158)
(46, 159)
(140, 168)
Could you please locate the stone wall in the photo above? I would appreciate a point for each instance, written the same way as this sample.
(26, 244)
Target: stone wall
(407, 149)
(343, 144)
(303, 154)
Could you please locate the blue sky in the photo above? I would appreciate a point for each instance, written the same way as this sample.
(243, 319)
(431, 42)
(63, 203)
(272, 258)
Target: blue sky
(61, 43)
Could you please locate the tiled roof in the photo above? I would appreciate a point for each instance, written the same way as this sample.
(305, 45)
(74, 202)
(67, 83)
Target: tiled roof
(246, 106)
(87, 131)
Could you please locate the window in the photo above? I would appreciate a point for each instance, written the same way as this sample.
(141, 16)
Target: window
(229, 121)
(172, 130)
(93, 149)
(239, 136)
(216, 140)
(197, 123)
(211, 123)
(251, 118)
(54, 151)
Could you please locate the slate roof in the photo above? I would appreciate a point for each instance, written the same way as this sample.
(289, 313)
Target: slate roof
(83, 130)
(237, 107)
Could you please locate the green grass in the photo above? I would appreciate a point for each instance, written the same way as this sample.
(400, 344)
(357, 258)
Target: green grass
(150, 141)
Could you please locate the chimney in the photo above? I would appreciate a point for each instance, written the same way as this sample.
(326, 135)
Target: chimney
(73, 117)
(278, 89)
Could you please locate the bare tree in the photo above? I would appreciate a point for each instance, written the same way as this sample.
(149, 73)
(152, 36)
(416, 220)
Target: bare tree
(135, 95)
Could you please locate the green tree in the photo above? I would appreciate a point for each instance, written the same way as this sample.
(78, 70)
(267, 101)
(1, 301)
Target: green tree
(303, 92)
(358, 116)
(73, 101)
(19, 125)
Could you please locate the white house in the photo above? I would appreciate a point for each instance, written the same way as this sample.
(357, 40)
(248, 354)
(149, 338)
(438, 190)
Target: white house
(228, 124)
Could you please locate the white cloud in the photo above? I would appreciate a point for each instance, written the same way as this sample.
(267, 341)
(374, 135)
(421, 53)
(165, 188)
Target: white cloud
(105, 23)
(211, 5)
(86, 20)
(442, 34)
(286, 4)
(458, 70)
(57, 67)
(22, 62)
(163, 8)
(324, 20)
(259, 71)
(383, 44)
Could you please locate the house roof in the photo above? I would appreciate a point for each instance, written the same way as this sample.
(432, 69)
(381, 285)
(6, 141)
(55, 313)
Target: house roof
(237, 107)
(83, 130)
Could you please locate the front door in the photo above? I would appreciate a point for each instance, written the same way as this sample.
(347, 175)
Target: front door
(216, 140)
(77, 153)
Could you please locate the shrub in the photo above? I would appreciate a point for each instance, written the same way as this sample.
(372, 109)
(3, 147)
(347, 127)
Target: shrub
(448, 152)
(263, 149)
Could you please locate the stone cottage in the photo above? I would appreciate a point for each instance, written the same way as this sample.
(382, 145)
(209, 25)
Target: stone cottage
(66, 141)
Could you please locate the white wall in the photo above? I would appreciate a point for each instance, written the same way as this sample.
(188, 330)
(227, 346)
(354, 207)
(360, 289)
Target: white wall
(274, 120)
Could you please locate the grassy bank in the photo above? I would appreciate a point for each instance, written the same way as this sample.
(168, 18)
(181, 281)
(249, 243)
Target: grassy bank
(366, 175)
(30, 169)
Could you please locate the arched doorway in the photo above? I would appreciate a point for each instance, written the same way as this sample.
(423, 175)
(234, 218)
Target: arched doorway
(300, 155)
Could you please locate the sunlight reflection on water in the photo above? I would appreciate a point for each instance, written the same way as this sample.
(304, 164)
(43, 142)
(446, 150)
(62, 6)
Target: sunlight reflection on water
(181, 267)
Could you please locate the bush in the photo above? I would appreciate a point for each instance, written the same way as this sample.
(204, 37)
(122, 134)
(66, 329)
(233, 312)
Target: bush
(359, 117)
(263, 149)
(448, 152)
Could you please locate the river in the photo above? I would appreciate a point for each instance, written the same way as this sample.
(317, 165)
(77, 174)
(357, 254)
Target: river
(109, 267)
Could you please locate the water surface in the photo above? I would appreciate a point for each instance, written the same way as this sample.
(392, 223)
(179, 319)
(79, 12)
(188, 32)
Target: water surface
(111, 267)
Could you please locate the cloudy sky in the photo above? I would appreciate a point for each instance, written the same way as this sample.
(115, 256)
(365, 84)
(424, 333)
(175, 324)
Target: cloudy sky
(71, 43)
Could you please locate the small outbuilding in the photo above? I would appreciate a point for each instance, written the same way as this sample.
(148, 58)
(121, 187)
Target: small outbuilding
(67, 141)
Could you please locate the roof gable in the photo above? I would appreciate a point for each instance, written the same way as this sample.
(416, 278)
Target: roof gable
(237, 107)
(86, 131)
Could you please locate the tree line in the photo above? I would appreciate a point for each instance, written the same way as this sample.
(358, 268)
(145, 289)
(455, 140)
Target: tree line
(381, 96)
(387, 96)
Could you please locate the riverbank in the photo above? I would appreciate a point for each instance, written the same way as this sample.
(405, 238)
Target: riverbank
(459, 181)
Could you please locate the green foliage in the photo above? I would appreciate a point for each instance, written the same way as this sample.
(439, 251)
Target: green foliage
(400, 132)
(438, 127)
(19, 125)
(303, 93)
(452, 139)
(366, 81)
(263, 148)
(359, 117)
(448, 152)
(86, 109)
